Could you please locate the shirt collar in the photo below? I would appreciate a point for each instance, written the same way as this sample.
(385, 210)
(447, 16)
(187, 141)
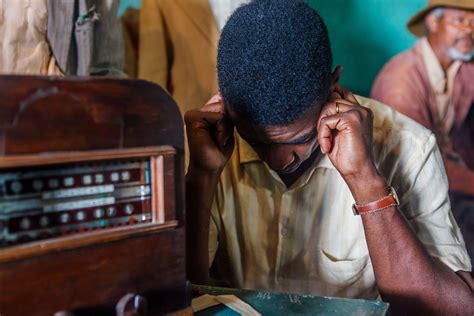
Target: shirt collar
(436, 74)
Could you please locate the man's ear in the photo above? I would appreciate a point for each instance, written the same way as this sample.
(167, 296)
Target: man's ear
(432, 23)
(229, 113)
(335, 76)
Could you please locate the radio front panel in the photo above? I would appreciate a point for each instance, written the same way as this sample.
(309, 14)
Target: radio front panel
(48, 201)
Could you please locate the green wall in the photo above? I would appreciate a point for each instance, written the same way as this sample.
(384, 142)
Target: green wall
(365, 34)
(125, 4)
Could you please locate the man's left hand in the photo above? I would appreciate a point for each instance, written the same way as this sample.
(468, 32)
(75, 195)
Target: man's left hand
(345, 134)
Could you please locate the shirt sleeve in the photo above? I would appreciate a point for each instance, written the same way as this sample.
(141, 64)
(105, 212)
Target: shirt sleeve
(425, 203)
(401, 86)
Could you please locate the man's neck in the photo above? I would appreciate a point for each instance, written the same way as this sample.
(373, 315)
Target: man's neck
(290, 178)
(440, 53)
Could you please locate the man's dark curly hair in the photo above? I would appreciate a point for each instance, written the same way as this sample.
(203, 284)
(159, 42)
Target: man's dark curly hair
(274, 61)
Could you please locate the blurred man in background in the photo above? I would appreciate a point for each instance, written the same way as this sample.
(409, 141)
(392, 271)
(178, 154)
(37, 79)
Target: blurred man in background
(433, 84)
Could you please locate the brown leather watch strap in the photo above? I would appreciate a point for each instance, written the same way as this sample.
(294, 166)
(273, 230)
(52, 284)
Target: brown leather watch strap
(387, 201)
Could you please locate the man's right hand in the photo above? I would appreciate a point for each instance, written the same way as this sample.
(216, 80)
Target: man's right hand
(210, 136)
(211, 143)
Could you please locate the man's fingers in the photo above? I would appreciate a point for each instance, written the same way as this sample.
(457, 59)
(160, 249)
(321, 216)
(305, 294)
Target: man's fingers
(325, 139)
(336, 74)
(332, 123)
(345, 93)
(327, 125)
(212, 119)
(339, 89)
(331, 108)
(344, 102)
(213, 107)
(348, 95)
(215, 98)
(335, 95)
(215, 104)
(224, 133)
(199, 119)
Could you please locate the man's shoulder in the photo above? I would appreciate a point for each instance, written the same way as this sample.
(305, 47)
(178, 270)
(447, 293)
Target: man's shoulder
(466, 71)
(404, 72)
(408, 61)
(392, 127)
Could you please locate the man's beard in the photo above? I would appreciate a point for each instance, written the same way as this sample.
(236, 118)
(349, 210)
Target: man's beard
(455, 54)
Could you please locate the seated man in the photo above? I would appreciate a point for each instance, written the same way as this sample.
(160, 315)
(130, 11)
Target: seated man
(270, 206)
(433, 84)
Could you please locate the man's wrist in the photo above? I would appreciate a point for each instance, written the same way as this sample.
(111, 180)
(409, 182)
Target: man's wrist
(367, 186)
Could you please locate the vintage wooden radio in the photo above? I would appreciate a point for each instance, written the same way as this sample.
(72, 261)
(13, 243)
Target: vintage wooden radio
(91, 198)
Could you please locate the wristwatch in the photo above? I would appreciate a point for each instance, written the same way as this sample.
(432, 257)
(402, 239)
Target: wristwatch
(387, 201)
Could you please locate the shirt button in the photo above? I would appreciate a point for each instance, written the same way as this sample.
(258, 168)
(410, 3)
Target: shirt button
(284, 231)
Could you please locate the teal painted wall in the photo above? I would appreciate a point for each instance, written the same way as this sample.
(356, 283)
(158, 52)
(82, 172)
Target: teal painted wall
(365, 34)
(125, 4)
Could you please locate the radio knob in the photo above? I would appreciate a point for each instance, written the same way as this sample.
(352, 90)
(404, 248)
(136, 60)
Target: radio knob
(98, 213)
(111, 211)
(114, 176)
(16, 187)
(80, 216)
(64, 218)
(87, 179)
(44, 221)
(37, 185)
(69, 181)
(53, 183)
(25, 223)
(99, 178)
(125, 175)
(128, 209)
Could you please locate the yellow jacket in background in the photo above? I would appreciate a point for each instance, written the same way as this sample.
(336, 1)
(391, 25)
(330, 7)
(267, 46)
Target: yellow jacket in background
(178, 49)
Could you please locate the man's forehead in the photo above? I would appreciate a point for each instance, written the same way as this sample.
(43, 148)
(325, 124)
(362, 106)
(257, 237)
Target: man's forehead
(239, 118)
(284, 132)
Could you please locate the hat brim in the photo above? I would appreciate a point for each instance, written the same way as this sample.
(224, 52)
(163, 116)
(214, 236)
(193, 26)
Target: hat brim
(416, 23)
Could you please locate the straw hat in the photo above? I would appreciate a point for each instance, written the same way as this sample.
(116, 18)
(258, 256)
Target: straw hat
(416, 23)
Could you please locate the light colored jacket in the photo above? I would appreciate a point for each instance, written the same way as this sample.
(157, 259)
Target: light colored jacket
(86, 37)
(178, 49)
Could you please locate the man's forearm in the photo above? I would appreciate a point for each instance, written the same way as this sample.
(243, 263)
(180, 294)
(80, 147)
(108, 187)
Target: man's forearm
(200, 191)
(406, 275)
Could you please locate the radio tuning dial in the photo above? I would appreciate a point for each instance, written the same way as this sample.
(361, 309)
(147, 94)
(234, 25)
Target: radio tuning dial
(44, 221)
(98, 213)
(16, 187)
(64, 218)
(128, 209)
(25, 223)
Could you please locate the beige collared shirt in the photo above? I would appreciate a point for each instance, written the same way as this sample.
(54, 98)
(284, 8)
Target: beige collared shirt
(24, 48)
(442, 83)
(305, 239)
